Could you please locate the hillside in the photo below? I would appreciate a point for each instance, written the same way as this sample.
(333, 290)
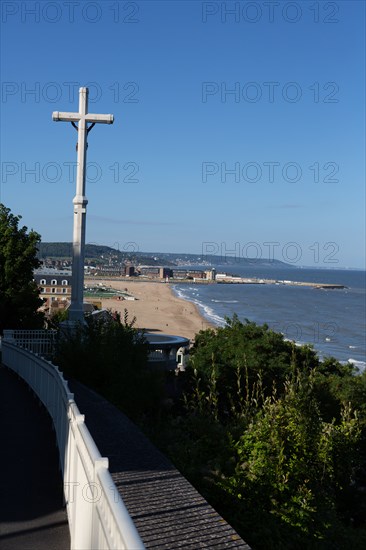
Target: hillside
(97, 253)
(101, 253)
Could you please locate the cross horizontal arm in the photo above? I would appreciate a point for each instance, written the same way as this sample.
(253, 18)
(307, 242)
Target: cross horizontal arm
(68, 117)
(103, 119)
(75, 117)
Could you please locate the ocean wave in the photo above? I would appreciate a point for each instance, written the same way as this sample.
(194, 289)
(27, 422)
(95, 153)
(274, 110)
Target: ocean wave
(297, 343)
(180, 293)
(209, 313)
(206, 310)
(225, 301)
(322, 354)
(360, 365)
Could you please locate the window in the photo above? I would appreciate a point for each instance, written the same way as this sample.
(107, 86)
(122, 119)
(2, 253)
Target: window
(64, 290)
(42, 282)
(54, 282)
(53, 290)
(64, 282)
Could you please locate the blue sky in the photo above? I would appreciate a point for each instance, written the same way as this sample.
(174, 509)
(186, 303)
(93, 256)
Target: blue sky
(239, 126)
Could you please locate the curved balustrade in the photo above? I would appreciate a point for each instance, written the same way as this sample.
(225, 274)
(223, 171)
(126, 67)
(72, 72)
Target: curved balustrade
(39, 341)
(96, 513)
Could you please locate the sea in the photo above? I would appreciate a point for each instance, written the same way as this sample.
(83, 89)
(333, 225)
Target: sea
(333, 321)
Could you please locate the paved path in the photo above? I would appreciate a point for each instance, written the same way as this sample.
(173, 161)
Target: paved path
(167, 511)
(32, 515)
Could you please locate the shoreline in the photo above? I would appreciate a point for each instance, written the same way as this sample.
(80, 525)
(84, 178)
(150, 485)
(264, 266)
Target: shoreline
(156, 308)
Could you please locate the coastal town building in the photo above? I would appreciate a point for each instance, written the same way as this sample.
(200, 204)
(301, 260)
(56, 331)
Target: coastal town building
(179, 273)
(165, 272)
(196, 274)
(154, 272)
(55, 290)
(105, 271)
(54, 285)
(129, 271)
(211, 274)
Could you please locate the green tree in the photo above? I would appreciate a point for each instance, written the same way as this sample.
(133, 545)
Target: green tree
(110, 356)
(19, 294)
(293, 472)
(274, 438)
(279, 473)
(252, 349)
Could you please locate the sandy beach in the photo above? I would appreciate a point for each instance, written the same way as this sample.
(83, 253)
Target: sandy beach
(156, 308)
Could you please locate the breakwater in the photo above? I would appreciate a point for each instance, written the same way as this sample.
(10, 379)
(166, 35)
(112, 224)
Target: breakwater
(244, 280)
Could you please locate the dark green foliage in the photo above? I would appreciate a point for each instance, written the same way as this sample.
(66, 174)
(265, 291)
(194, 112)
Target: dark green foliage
(19, 294)
(57, 318)
(273, 438)
(250, 346)
(335, 384)
(111, 357)
(295, 468)
(55, 250)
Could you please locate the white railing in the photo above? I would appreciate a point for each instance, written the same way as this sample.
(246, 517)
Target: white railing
(96, 513)
(38, 341)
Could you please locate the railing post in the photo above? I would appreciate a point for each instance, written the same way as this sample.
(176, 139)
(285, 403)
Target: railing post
(96, 520)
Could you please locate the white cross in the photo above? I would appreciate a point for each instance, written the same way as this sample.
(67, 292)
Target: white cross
(76, 311)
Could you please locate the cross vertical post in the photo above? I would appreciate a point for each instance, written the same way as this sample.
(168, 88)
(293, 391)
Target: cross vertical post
(83, 118)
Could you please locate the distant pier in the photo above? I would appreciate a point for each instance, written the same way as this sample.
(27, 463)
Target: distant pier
(224, 279)
(251, 281)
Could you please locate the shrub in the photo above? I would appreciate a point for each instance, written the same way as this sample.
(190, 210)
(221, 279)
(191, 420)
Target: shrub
(111, 357)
